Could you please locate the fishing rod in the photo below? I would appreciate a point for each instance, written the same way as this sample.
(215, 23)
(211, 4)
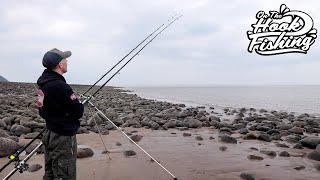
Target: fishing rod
(122, 60)
(22, 165)
(15, 157)
(89, 97)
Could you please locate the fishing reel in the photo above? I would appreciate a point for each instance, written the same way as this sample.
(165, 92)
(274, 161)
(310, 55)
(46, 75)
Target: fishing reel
(85, 98)
(21, 166)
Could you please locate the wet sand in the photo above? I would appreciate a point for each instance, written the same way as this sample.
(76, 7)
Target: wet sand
(183, 156)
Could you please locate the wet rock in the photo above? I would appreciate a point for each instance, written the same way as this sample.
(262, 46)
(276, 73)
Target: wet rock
(131, 122)
(238, 126)
(118, 144)
(214, 118)
(3, 133)
(227, 139)
(30, 135)
(269, 153)
(225, 130)
(284, 154)
(31, 124)
(299, 168)
(153, 125)
(282, 145)
(310, 142)
(284, 133)
(7, 146)
(95, 119)
(262, 128)
(199, 138)
(293, 138)
(297, 130)
(83, 130)
(314, 155)
(247, 176)
(34, 167)
(276, 137)
(250, 136)
(167, 114)
(284, 126)
(186, 134)
(264, 137)
(243, 131)
(145, 121)
(299, 123)
(136, 137)
(254, 157)
(129, 153)
(215, 124)
(223, 148)
(170, 124)
(8, 120)
(118, 121)
(19, 130)
(253, 148)
(273, 131)
(194, 123)
(84, 152)
(14, 138)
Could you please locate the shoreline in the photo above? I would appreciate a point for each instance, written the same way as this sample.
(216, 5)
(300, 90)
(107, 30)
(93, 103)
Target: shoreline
(192, 103)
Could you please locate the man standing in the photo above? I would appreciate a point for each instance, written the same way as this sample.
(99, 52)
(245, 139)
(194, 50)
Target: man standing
(61, 109)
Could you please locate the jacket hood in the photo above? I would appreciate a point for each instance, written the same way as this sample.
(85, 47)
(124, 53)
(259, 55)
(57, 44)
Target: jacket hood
(49, 75)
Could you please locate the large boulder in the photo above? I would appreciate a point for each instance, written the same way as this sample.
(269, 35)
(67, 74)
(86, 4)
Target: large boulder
(153, 125)
(297, 130)
(171, 124)
(7, 146)
(194, 123)
(314, 155)
(310, 142)
(19, 130)
(227, 139)
(31, 124)
(84, 152)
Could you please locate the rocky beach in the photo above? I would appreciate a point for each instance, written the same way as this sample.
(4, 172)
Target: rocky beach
(193, 142)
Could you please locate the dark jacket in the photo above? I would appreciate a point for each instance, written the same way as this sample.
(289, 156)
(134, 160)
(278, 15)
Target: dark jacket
(60, 107)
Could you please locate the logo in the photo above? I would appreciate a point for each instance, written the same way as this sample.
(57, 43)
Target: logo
(286, 31)
(74, 96)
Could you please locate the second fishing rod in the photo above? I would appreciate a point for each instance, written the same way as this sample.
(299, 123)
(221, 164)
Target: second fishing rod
(175, 18)
(88, 98)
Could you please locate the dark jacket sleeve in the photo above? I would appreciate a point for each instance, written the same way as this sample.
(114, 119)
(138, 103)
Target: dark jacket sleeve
(74, 107)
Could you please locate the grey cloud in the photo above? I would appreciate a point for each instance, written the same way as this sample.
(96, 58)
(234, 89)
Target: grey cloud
(207, 46)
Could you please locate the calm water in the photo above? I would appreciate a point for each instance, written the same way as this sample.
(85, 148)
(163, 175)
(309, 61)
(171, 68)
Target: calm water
(288, 98)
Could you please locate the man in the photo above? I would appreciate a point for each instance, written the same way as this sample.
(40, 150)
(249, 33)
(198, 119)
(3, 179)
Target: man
(61, 109)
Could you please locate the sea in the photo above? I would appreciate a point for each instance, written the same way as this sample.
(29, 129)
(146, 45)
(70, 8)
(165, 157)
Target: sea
(289, 98)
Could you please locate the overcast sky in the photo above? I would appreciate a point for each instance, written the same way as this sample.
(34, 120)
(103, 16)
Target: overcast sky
(207, 46)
